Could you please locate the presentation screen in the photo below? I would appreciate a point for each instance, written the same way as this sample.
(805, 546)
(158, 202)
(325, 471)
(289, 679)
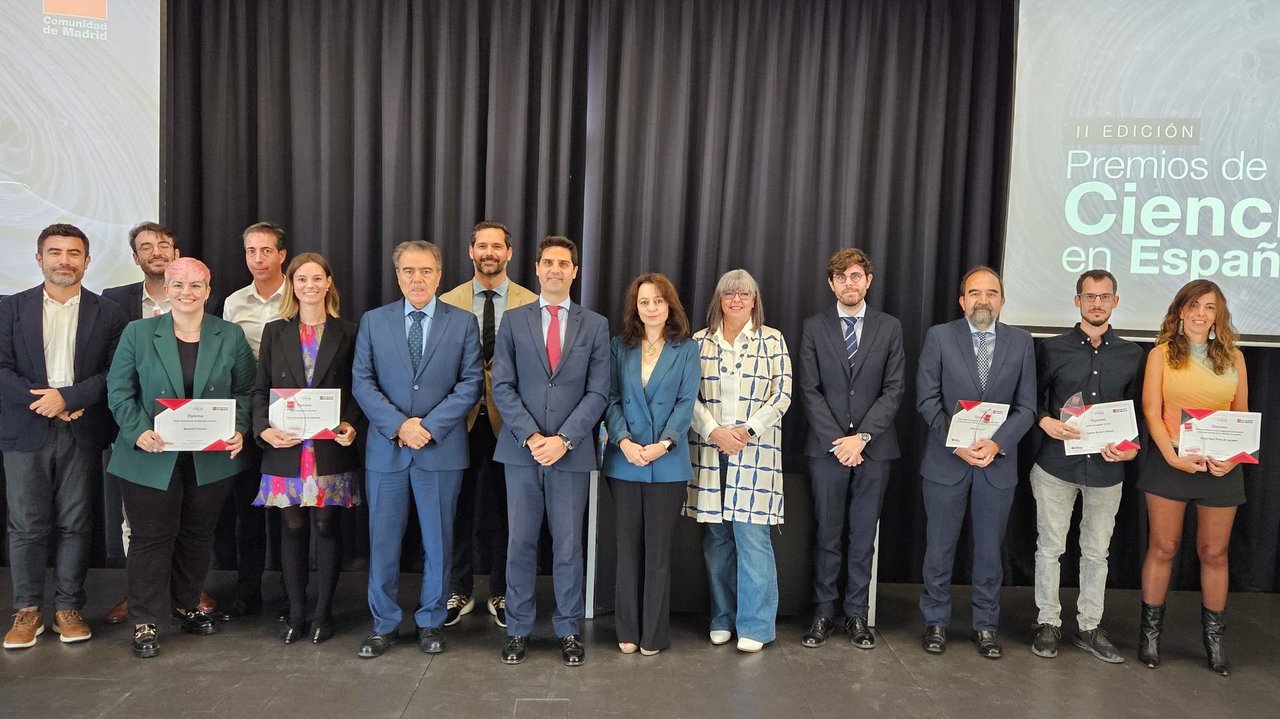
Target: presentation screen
(1146, 141)
(79, 130)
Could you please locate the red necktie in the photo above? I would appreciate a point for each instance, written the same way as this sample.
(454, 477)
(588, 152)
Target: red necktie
(553, 337)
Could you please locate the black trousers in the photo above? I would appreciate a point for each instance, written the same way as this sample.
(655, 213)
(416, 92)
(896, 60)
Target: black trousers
(480, 525)
(846, 502)
(172, 541)
(646, 524)
(242, 532)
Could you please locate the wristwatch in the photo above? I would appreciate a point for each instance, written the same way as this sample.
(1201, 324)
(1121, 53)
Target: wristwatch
(670, 445)
(567, 444)
(750, 432)
(865, 437)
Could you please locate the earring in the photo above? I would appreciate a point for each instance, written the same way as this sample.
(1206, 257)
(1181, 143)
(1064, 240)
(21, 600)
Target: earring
(1180, 327)
(1212, 334)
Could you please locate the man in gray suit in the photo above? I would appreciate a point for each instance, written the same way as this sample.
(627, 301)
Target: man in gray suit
(851, 376)
(551, 385)
(976, 358)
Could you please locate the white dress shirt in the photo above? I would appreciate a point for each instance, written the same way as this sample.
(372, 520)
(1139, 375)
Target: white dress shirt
(727, 412)
(152, 307)
(546, 319)
(60, 321)
(252, 312)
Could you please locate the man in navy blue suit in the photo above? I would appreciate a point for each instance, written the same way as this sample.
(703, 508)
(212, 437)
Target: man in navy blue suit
(417, 374)
(551, 384)
(975, 358)
(56, 343)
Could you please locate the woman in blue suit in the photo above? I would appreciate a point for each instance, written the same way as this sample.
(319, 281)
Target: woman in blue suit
(655, 377)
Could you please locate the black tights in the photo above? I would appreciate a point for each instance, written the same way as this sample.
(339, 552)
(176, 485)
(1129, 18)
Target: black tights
(295, 543)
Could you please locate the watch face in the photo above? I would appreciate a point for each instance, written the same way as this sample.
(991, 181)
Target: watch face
(864, 437)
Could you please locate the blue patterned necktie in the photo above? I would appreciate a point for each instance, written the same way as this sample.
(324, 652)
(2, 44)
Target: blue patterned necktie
(850, 338)
(984, 359)
(415, 338)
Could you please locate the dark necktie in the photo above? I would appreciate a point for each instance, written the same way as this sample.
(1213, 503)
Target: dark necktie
(984, 359)
(850, 338)
(487, 326)
(415, 338)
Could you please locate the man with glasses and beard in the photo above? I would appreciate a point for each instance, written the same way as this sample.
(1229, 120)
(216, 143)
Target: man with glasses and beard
(56, 343)
(1089, 362)
(482, 504)
(974, 358)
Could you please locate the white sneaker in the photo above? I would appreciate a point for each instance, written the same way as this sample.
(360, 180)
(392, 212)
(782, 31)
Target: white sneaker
(720, 636)
(749, 645)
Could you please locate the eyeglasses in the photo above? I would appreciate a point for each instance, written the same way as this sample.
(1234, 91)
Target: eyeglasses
(1089, 297)
(852, 277)
(731, 295)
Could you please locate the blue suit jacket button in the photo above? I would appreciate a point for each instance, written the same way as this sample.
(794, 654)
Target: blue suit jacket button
(415, 386)
(852, 392)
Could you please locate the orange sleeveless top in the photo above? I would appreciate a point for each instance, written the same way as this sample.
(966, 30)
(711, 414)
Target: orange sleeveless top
(1194, 386)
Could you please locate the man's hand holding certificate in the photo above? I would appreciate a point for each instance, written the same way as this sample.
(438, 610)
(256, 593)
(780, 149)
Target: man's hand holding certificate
(975, 421)
(1113, 424)
(1221, 435)
(194, 425)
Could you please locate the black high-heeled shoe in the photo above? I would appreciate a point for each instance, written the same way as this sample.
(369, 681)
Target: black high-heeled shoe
(322, 631)
(291, 634)
(1215, 630)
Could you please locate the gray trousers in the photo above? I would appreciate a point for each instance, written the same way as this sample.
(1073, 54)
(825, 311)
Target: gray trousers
(50, 494)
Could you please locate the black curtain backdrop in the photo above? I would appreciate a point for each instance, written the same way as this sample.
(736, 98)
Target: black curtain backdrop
(674, 136)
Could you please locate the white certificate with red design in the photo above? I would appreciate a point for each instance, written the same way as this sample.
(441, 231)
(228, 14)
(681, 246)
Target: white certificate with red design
(1220, 434)
(195, 425)
(1101, 424)
(306, 413)
(975, 421)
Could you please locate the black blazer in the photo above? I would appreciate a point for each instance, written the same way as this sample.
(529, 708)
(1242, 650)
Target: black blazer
(129, 297)
(22, 369)
(280, 365)
(865, 397)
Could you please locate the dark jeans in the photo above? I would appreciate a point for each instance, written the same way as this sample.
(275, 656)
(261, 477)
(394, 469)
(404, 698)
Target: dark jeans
(647, 513)
(50, 493)
(172, 541)
(481, 524)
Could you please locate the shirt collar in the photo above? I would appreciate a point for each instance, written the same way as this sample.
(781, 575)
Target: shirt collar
(860, 314)
(974, 330)
(1107, 337)
(49, 300)
(718, 335)
(477, 288)
(253, 292)
(543, 303)
(430, 309)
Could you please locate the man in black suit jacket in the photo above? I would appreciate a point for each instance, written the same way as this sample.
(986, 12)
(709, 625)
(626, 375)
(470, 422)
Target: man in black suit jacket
(851, 376)
(56, 342)
(973, 359)
(153, 246)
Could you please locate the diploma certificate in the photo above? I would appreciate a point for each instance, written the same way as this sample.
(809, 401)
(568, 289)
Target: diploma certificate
(195, 425)
(1220, 434)
(975, 421)
(1101, 424)
(306, 413)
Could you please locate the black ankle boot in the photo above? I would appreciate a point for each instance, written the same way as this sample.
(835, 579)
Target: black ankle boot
(1149, 634)
(1215, 629)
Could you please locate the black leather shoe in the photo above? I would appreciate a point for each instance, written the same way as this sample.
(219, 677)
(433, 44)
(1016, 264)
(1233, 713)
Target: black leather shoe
(572, 652)
(321, 632)
(375, 644)
(197, 623)
(934, 640)
(514, 650)
(240, 608)
(818, 632)
(146, 643)
(431, 640)
(988, 647)
(291, 634)
(860, 634)
(1097, 643)
(1149, 634)
(1215, 631)
(1045, 642)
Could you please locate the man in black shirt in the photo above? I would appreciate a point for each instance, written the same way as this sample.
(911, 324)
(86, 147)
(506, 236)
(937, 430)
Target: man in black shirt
(1092, 362)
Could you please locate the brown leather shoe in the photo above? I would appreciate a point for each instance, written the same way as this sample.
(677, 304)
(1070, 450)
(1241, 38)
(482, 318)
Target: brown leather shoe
(71, 626)
(206, 605)
(27, 625)
(118, 613)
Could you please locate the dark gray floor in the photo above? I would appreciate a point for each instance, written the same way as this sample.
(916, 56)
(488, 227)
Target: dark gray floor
(245, 672)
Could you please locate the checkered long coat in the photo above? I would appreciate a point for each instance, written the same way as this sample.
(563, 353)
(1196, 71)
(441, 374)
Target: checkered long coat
(753, 486)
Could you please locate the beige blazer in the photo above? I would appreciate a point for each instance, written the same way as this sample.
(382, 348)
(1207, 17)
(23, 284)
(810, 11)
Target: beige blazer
(461, 297)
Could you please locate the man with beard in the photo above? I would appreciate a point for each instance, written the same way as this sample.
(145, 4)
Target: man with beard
(851, 376)
(975, 358)
(1093, 365)
(482, 504)
(153, 247)
(56, 343)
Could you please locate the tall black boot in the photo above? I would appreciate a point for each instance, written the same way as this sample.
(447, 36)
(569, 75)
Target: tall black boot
(1149, 634)
(1215, 629)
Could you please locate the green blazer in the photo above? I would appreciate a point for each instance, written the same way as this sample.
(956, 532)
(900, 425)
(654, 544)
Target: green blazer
(146, 367)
